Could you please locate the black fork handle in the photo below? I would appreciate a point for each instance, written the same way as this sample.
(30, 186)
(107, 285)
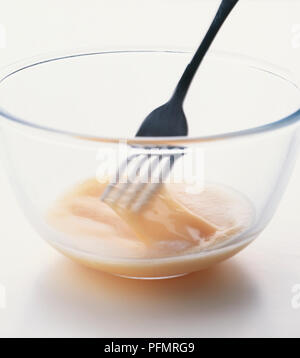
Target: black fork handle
(224, 10)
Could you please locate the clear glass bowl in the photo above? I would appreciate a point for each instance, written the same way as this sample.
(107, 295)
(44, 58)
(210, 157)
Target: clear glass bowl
(58, 112)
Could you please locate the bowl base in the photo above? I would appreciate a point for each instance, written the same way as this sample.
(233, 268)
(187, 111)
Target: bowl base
(152, 278)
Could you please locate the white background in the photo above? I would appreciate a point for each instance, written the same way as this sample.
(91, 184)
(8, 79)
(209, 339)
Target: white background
(248, 296)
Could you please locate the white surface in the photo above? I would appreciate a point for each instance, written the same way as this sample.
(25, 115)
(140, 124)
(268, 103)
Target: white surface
(48, 295)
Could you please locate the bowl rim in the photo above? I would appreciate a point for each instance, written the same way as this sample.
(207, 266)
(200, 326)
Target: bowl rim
(254, 63)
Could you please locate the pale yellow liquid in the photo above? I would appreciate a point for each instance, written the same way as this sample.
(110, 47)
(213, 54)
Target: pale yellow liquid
(163, 239)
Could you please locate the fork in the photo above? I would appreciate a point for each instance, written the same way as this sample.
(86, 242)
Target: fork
(167, 120)
(141, 175)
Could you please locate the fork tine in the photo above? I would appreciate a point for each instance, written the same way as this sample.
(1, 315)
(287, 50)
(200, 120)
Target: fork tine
(137, 187)
(142, 198)
(112, 185)
(136, 170)
(134, 193)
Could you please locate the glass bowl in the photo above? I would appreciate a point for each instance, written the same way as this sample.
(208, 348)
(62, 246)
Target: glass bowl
(60, 112)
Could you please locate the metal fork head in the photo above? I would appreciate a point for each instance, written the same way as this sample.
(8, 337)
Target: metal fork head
(140, 176)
